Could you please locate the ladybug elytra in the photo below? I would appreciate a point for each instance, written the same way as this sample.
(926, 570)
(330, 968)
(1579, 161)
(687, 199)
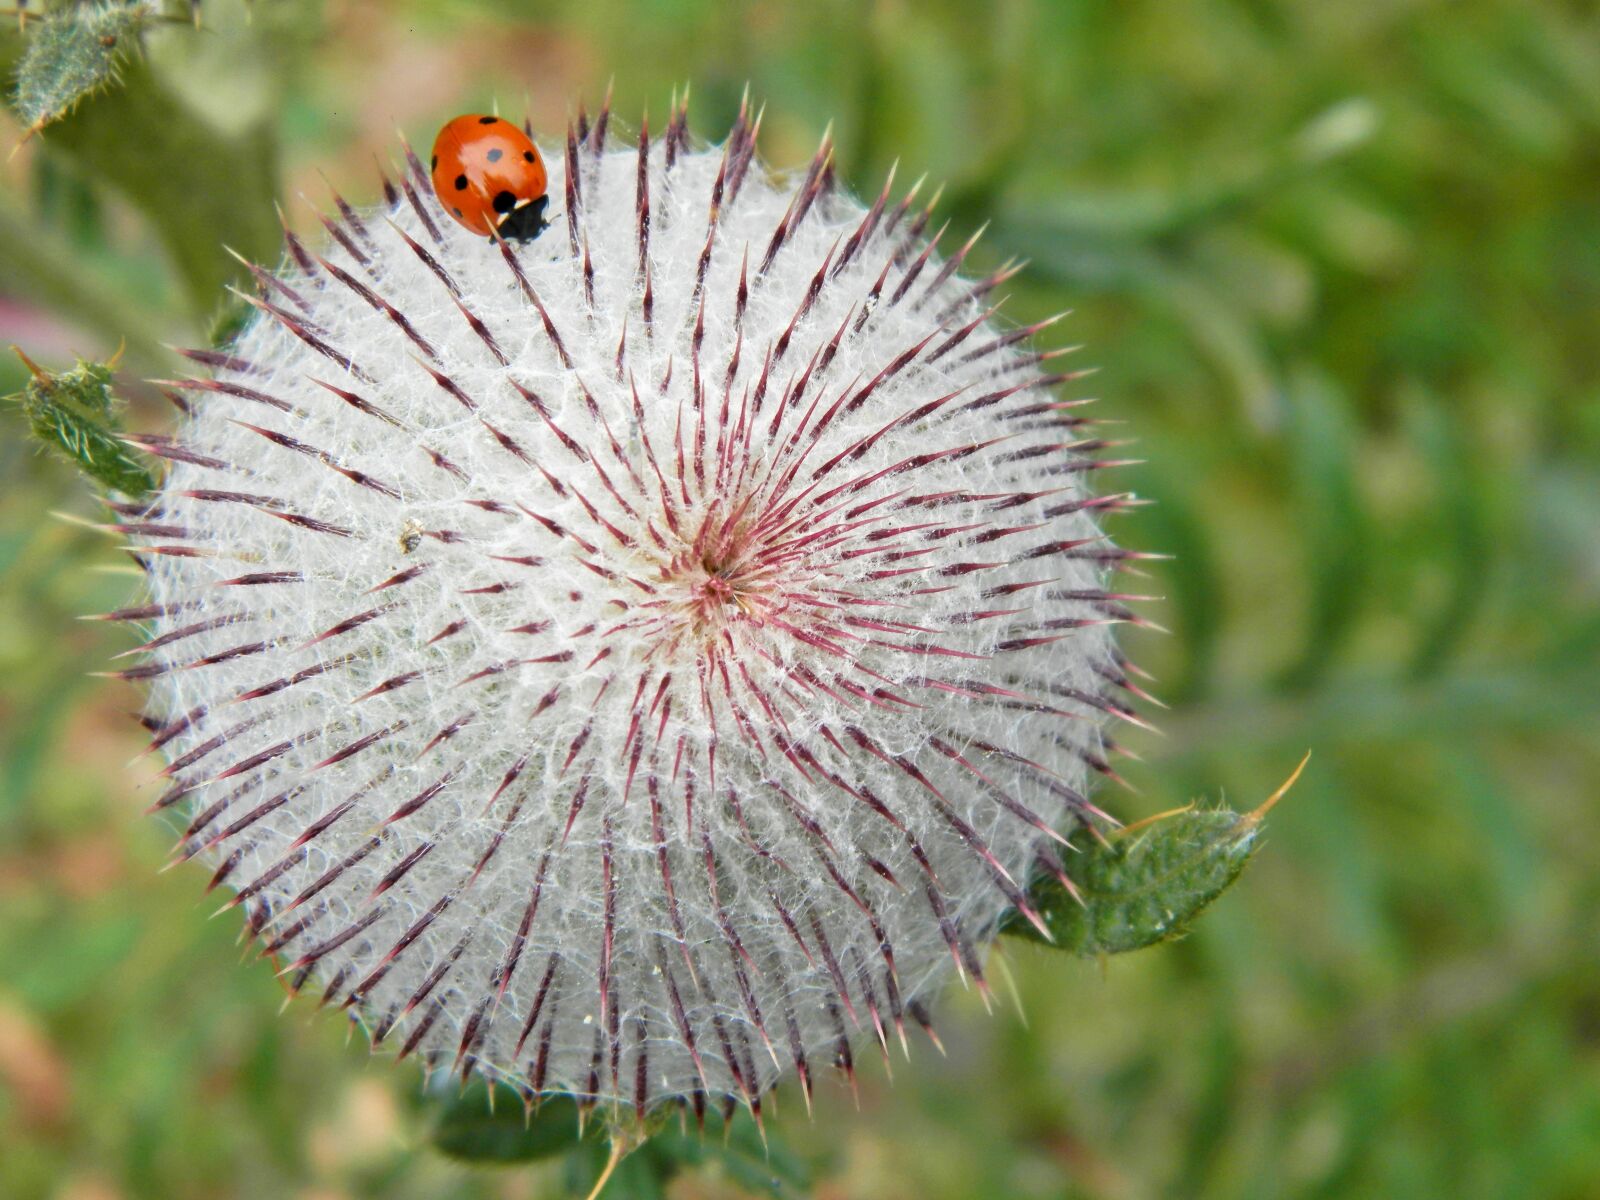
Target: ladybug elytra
(489, 176)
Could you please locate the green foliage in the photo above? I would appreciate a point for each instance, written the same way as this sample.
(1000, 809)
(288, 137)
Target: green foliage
(491, 1126)
(1146, 883)
(756, 1163)
(75, 411)
(74, 52)
(1332, 528)
(1462, 532)
(1142, 888)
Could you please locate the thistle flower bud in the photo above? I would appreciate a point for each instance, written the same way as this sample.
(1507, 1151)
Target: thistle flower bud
(643, 661)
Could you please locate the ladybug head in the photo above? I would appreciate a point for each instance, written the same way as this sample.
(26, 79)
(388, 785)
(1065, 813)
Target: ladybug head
(525, 221)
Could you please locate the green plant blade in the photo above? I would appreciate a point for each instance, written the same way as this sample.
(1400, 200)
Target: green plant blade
(1146, 884)
(1463, 531)
(1333, 525)
(758, 1162)
(469, 1128)
(73, 53)
(76, 412)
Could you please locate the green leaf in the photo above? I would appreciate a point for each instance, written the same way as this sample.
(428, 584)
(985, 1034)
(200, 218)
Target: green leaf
(76, 412)
(1150, 218)
(62, 963)
(1464, 532)
(640, 1176)
(1147, 883)
(1338, 543)
(1229, 339)
(757, 1163)
(73, 53)
(490, 1125)
(1157, 277)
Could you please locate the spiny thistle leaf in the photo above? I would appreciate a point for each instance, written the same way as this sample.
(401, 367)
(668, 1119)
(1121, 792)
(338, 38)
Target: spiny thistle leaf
(75, 411)
(75, 52)
(759, 1164)
(734, 1147)
(474, 1128)
(1148, 883)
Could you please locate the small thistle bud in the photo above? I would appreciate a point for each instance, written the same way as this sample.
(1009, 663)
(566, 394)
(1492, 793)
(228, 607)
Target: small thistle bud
(76, 51)
(641, 662)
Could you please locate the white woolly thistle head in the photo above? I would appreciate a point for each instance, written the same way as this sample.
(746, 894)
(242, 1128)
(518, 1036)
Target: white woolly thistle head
(643, 661)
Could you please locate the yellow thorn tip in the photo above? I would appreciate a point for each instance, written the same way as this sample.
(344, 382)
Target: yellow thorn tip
(1255, 815)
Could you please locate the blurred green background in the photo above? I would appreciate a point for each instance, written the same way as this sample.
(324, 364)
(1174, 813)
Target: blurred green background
(1339, 265)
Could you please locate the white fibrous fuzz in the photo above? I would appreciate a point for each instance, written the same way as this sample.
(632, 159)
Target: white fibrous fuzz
(641, 662)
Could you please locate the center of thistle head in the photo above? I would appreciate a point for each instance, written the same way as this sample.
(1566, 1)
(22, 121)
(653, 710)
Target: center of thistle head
(719, 585)
(719, 590)
(713, 587)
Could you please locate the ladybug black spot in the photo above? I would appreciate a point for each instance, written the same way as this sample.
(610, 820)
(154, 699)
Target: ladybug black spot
(461, 183)
(434, 165)
(494, 155)
(457, 211)
(528, 155)
(487, 120)
(504, 202)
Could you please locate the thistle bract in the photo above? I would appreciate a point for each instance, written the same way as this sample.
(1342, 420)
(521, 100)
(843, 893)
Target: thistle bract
(641, 662)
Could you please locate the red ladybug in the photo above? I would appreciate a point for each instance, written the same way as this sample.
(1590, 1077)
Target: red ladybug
(489, 176)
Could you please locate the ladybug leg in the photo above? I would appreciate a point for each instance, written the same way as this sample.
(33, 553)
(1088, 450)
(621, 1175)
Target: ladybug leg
(526, 222)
